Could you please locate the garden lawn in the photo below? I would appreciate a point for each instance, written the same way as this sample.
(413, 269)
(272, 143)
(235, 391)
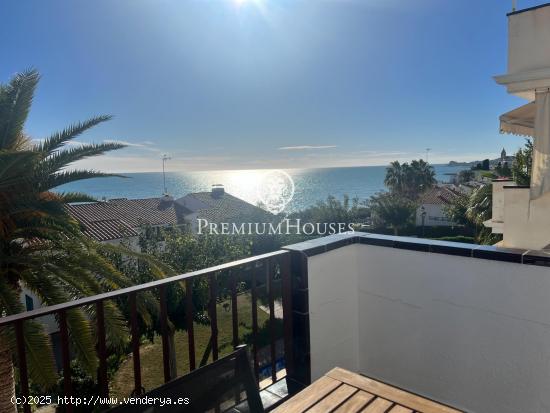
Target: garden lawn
(152, 373)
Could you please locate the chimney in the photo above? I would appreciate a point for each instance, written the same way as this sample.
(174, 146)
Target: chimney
(217, 191)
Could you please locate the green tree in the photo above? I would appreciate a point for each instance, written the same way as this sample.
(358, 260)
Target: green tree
(456, 211)
(396, 177)
(41, 247)
(521, 168)
(393, 210)
(333, 210)
(409, 180)
(472, 211)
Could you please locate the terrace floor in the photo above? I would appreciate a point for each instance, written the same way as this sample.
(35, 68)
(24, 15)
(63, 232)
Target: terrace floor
(343, 391)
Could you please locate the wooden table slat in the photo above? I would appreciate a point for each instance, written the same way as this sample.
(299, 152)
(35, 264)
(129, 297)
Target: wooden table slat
(309, 396)
(388, 392)
(337, 397)
(400, 409)
(379, 405)
(355, 403)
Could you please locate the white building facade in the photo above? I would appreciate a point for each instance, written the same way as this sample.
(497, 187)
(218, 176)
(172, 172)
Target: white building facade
(521, 214)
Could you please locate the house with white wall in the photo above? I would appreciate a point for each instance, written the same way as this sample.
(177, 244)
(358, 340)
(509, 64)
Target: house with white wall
(431, 209)
(521, 213)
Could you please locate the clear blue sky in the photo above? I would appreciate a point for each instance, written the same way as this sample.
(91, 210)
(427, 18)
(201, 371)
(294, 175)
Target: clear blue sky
(240, 84)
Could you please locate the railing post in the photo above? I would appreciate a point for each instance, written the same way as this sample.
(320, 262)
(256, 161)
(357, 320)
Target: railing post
(23, 372)
(138, 388)
(254, 293)
(189, 322)
(234, 309)
(66, 358)
(296, 320)
(165, 335)
(270, 266)
(213, 285)
(102, 350)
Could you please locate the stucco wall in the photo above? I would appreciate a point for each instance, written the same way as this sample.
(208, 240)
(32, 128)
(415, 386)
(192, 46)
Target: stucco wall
(528, 45)
(333, 310)
(526, 223)
(435, 216)
(471, 332)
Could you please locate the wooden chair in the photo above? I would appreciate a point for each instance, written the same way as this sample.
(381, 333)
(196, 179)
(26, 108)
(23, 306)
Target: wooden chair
(216, 387)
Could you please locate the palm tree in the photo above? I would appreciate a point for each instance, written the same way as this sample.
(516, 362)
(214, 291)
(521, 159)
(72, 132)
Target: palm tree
(395, 177)
(41, 246)
(422, 176)
(409, 180)
(472, 211)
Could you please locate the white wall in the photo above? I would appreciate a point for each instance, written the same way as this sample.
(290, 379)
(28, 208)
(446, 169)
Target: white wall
(469, 332)
(528, 53)
(528, 41)
(435, 216)
(48, 321)
(333, 310)
(526, 223)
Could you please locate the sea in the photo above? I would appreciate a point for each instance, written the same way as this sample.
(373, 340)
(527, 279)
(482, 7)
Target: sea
(310, 185)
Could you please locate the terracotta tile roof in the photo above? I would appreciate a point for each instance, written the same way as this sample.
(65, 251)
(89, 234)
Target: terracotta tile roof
(109, 229)
(227, 208)
(120, 218)
(439, 195)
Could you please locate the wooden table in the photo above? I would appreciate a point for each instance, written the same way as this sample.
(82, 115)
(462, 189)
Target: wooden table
(343, 391)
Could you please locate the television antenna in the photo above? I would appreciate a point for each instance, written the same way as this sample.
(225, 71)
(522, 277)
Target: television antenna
(513, 5)
(164, 159)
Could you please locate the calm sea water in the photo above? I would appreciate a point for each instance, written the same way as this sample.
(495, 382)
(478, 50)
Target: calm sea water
(311, 185)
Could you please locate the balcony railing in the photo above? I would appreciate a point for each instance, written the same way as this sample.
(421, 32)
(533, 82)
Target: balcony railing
(270, 271)
(414, 313)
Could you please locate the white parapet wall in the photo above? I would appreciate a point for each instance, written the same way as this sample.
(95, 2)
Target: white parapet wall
(470, 332)
(333, 310)
(524, 223)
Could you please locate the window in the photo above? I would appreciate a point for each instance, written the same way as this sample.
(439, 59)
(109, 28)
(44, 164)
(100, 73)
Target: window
(29, 303)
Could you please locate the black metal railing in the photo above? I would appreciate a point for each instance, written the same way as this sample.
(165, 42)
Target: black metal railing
(268, 270)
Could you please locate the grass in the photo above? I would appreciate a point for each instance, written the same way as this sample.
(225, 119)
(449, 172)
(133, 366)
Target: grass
(151, 354)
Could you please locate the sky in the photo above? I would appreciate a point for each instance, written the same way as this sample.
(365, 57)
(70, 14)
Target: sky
(246, 84)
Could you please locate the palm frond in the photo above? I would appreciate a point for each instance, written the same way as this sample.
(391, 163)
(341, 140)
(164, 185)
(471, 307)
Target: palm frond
(69, 197)
(65, 177)
(58, 139)
(158, 268)
(47, 286)
(83, 344)
(62, 159)
(15, 103)
(39, 353)
(14, 168)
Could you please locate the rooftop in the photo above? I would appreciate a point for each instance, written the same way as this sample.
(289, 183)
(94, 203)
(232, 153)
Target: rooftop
(439, 195)
(119, 218)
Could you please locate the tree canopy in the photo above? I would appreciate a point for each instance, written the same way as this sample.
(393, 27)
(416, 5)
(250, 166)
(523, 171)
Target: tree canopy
(409, 180)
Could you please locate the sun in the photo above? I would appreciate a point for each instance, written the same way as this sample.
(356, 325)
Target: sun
(239, 3)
